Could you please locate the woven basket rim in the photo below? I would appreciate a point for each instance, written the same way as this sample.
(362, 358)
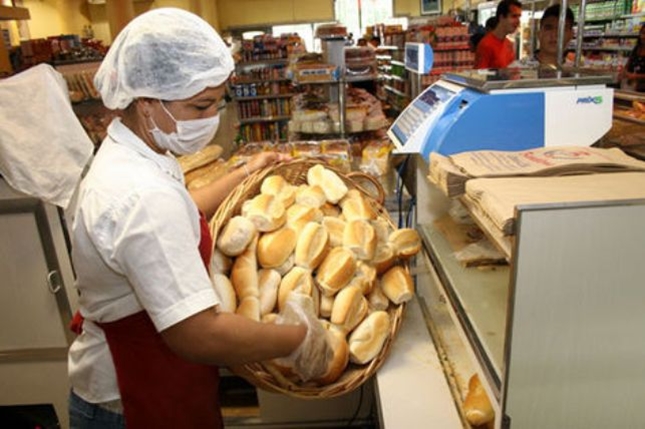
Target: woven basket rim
(261, 375)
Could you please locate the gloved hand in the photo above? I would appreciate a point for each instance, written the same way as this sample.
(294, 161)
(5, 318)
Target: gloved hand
(311, 358)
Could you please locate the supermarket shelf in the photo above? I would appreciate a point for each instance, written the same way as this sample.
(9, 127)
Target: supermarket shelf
(395, 77)
(264, 119)
(263, 97)
(395, 91)
(269, 62)
(251, 81)
(610, 35)
(398, 63)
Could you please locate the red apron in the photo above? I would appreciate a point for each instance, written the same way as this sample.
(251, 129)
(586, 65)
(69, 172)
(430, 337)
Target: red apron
(159, 389)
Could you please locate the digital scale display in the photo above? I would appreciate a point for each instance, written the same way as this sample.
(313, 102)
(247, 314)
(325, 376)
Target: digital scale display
(430, 102)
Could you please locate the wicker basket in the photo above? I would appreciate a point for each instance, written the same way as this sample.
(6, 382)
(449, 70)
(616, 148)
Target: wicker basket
(265, 376)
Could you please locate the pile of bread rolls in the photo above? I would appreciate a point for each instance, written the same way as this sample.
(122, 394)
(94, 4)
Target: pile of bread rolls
(324, 240)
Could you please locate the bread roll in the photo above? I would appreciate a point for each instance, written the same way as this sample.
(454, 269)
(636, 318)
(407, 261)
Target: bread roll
(312, 246)
(269, 281)
(357, 208)
(250, 308)
(397, 285)
(364, 278)
(310, 196)
(336, 270)
(331, 184)
(275, 247)
(200, 158)
(281, 189)
(340, 359)
(287, 266)
(359, 237)
(350, 307)
(405, 242)
(297, 280)
(477, 407)
(299, 215)
(265, 211)
(377, 299)
(269, 318)
(384, 258)
(382, 228)
(244, 274)
(225, 292)
(220, 263)
(331, 210)
(335, 228)
(326, 305)
(366, 341)
(236, 235)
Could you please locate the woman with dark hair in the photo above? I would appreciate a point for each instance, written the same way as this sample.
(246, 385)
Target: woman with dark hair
(635, 68)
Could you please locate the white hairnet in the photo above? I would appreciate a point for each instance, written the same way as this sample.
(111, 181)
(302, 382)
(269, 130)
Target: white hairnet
(166, 53)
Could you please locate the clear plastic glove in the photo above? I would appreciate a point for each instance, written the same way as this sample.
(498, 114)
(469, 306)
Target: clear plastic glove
(311, 358)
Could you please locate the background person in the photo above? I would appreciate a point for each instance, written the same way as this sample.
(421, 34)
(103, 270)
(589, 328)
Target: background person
(152, 333)
(547, 54)
(495, 51)
(635, 67)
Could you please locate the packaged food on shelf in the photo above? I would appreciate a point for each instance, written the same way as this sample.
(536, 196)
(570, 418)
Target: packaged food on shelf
(326, 31)
(375, 157)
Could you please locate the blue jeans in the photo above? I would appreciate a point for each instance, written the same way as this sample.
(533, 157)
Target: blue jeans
(85, 415)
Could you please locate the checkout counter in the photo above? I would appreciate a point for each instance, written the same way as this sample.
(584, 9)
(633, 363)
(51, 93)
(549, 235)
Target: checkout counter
(554, 335)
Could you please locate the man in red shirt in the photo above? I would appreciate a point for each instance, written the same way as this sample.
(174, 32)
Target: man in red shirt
(495, 51)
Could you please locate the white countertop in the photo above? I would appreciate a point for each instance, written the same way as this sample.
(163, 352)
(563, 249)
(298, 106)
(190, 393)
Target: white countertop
(411, 386)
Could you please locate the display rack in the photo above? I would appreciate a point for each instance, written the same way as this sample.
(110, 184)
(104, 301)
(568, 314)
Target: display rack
(393, 77)
(610, 33)
(86, 101)
(262, 95)
(333, 90)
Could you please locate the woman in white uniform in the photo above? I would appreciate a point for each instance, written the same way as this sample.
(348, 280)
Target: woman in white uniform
(152, 333)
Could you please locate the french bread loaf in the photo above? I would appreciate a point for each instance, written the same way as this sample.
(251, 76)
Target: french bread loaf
(366, 341)
(220, 263)
(297, 280)
(269, 281)
(359, 237)
(336, 270)
(335, 228)
(377, 299)
(225, 292)
(249, 307)
(275, 247)
(299, 215)
(405, 242)
(338, 363)
(281, 189)
(265, 211)
(244, 274)
(357, 208)
(477, 407)
(312, 246)
(310, 196)
(397, 285)
(332, 185)
(236, 236)
(350, 307)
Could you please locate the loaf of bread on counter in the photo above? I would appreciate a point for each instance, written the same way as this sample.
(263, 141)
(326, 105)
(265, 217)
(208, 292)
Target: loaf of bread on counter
(477, 407)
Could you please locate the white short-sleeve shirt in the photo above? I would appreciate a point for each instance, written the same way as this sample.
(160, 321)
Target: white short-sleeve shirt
(135, 245)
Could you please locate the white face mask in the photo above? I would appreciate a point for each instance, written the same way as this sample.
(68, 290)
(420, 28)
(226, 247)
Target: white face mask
(191, 136)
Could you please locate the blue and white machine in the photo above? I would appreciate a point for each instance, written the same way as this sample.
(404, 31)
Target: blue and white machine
(505, 110)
